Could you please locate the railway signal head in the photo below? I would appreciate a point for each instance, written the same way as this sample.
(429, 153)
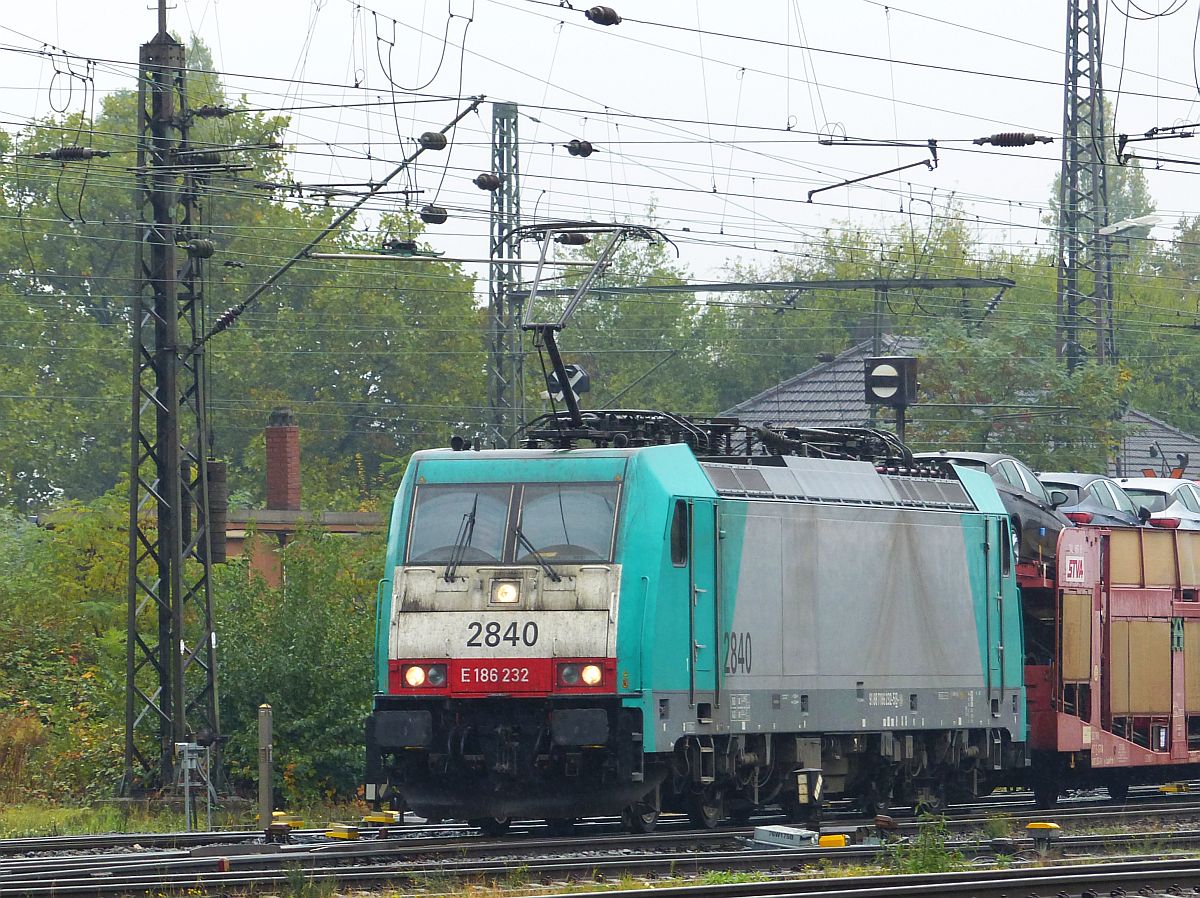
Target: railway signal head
(891, 381)
(578, 380)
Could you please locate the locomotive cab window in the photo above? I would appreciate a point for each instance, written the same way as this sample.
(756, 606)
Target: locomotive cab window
(572, 523)
(445, 515)
(1007, 548)
(679, 534)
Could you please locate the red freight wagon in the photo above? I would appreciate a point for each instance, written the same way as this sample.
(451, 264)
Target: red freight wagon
(1112, 661)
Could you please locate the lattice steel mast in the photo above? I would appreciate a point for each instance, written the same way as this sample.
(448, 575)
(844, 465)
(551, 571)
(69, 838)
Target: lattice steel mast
(506, 362)
(171, 688)
(1085, 296)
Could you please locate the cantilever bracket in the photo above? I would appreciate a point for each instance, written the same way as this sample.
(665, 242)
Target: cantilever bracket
(930, 164)
(1167, 132)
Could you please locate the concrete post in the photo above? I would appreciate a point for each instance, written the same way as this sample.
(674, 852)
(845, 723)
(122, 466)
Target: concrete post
(265, 761)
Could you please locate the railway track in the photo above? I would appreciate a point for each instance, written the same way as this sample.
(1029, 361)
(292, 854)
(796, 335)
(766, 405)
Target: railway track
(1151, 805)
(419, 854)
(426, 863)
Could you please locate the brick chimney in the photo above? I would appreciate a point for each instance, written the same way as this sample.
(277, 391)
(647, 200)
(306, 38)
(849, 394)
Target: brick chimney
(283, 460)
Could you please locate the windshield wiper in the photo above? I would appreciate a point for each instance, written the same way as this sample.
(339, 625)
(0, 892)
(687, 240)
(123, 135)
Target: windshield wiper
(523, 540)
(465, 531)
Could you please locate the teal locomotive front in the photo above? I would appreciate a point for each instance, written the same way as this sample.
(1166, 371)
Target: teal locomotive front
(499, 692)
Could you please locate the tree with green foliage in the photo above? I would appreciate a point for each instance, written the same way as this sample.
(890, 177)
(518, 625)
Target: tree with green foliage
(1050, 419)
(378, 359)
(306, 649)
(62, 601)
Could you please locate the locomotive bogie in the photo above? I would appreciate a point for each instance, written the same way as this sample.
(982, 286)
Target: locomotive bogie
(505, 757)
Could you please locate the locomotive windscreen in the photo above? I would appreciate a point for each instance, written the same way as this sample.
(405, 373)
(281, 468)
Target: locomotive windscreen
(508, 523)
(569, 522)
(441, 513)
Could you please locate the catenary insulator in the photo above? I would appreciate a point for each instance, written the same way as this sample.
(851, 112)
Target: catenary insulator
(603, 15)
(201, 157)
(572, 238)
(581, 148)
(212, 111)
(201, 248)
(432, 214)
(1012, 139)
(487, 181)
(72, 154)
(433, 140)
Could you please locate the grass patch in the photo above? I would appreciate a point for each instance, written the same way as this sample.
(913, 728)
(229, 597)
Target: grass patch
(927, 853)
(731, 877)
(39, 819)
(21, 820)
(300, 885)
(998, 826)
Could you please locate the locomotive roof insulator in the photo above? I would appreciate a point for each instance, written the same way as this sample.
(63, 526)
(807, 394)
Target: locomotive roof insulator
(602, 15)
(431, 214)
(487, 181)
(432, 140)
(573, 238)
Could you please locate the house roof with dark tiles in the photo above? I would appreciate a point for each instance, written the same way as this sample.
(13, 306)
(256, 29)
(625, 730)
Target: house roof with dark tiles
(831, 393)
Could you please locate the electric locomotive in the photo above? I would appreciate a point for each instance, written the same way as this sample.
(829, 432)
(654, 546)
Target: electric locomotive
(636, 612)
(692, 617)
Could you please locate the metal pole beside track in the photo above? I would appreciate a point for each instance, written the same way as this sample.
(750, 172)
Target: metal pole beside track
(265, 760)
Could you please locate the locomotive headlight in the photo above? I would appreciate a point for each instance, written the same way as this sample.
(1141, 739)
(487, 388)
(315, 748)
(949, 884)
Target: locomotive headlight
(436, 675)
(505, 592)
(568, 674)
(591, 674)
(414, 676)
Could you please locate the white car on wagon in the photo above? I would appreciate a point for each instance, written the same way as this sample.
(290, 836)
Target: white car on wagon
(1172, 503)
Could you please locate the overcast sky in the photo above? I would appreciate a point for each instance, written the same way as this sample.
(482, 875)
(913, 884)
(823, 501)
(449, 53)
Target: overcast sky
(717, 128)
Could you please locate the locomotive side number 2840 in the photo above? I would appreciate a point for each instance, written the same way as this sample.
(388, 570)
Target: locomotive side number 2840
(493, 633)
(738, 653)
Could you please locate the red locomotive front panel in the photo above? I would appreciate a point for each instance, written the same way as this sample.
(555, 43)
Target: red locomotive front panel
(502, 675)
(466, 677)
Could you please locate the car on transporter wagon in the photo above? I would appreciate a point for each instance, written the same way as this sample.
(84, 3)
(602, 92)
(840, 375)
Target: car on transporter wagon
(1092, 499)
(1173, 504)
(1036, 523)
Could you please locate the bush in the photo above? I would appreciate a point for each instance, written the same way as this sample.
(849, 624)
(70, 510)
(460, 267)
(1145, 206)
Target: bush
(19, 735)
(62, 668)
(927, 853)
(307, 649)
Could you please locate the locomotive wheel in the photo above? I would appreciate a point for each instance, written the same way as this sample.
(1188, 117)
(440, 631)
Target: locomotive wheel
(871, 801)
(802, 813)
(639, 818)
(705, 809)
(742, 813)
(561, 826)
(491, 826)
(1045, 794)
(930, 801)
